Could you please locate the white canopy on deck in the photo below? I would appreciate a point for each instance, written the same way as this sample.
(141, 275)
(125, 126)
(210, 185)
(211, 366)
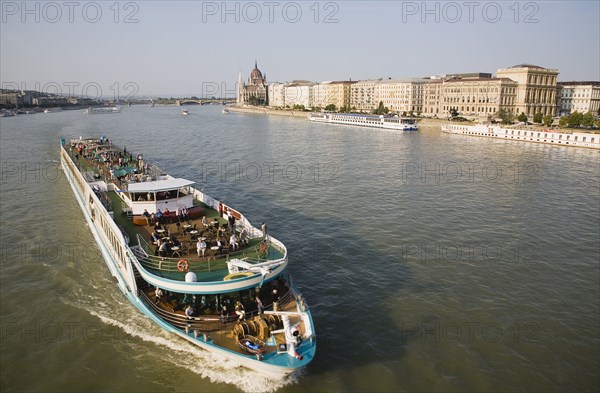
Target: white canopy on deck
(159, 185)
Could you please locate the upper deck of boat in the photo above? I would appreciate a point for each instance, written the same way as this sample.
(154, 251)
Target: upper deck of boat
(95, 161)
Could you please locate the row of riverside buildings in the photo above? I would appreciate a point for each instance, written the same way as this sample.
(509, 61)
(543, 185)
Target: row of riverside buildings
(523, 88)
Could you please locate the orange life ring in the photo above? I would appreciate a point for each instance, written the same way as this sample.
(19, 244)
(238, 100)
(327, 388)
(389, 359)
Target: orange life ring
(262, 248)
(182, 265)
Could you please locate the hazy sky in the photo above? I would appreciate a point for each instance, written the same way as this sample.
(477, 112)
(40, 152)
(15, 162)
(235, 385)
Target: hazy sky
(162, 48)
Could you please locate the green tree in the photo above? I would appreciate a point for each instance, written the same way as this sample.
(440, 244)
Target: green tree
(252, 100)
(381, 110)
(522, 117)
(563, 121)
(574, 120)
(330, 108)
(548, 119)
(538, 118)
(453, 112)
(587, 120)
(506, 117)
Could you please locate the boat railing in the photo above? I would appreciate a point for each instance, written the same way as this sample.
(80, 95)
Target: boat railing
(208, 323)
(147, 259)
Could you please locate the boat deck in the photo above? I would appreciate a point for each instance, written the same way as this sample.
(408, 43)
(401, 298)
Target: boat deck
(184, 234)
(224, 330)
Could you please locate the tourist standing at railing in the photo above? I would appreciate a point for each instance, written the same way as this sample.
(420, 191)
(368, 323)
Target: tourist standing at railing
(231, 220)
(264, 230)
(259, 304)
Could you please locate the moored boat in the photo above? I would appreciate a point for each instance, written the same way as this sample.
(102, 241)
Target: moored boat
(553, 137)
(102, 110)
(355, 119)
(200, 271)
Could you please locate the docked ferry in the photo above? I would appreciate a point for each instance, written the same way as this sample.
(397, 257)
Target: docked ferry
(393, 123)
(553, 137)
(189, 262)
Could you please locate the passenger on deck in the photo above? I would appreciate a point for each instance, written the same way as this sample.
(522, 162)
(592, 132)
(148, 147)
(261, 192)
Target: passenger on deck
(220, 245)
(157, 225)
(147, 217)
(185, 215)
(201, 247)
(167, 216)
(158, 293)
(189, 312)
(164, 249)
(275, 295)
(155, 237)
(259, 304)
(244, 237)
(264, 230)
(231, 220)
(240, 311)
(205, 222)
(224, 315)
(178, 214)
(159, 216)
(233, 242)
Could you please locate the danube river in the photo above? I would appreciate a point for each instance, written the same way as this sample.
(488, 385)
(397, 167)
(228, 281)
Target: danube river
(431, 262)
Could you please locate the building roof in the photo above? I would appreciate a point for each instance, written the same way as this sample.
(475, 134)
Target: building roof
(159, 185)
(527, 66)
(256, 74)
(478, 80)
(580, 83)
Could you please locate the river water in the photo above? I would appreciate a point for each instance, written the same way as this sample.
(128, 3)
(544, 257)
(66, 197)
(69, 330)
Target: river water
(431, 262)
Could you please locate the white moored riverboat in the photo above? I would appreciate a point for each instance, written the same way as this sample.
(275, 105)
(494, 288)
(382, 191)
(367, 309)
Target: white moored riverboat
(220, 284)
(353, 119)
(553, 137)
(102, 110)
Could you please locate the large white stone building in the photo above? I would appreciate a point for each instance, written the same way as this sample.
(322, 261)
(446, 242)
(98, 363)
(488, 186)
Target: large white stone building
(582, 97)
(536, 91)
(400, 95)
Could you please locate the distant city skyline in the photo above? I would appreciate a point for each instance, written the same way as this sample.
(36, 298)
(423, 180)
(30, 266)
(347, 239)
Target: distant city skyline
(199, 48)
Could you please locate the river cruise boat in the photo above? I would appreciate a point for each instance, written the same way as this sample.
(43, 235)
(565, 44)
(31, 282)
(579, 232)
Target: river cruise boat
(353, 119)
(553, 137)
(102, 110)
(189, 262)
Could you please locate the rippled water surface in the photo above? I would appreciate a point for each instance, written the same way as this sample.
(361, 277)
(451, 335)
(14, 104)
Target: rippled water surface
(431, 262)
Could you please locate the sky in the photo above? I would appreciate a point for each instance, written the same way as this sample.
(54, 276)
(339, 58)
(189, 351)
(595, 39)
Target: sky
(130, 49)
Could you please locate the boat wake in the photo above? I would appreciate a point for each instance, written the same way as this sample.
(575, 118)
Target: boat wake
(182, 354)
